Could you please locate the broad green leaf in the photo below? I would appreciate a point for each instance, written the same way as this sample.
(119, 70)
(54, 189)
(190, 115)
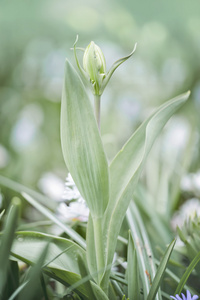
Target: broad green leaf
(7, 240)
(46, 212)
(81, 144)
(160, 272)
(62, 253)
(127, 166)
(187, 273)
(132, 271)
(61, 260)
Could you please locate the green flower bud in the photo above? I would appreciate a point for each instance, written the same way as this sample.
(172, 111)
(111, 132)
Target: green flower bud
(93, 71)
(95, 65)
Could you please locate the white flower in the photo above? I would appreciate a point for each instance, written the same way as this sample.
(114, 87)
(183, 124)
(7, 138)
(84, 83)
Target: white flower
(76, 207)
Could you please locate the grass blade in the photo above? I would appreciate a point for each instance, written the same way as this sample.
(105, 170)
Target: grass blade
(160, 272)
(7, 240)
(187, 273)
(72, 233)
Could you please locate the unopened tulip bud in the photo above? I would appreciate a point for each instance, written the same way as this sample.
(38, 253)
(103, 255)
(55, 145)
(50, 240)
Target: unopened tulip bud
(95, 65)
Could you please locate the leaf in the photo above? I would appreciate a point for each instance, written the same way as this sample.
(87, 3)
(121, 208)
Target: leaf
(72, 233)
(81, 144)
(19, 188)
(12, 280)
(85, 274)
(61, 260)
(7, 240)
(145, 256)
(33, 287)
(132, 271)
(127, 166)
(90, 253)
(160, 272)
(114, 67)
(187, 273)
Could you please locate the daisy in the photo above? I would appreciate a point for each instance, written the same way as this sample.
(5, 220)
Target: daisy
(188, 297)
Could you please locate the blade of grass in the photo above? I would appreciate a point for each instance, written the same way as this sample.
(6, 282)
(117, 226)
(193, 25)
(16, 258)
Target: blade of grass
(72, 233)
(187, 273)
(7, 240)
(19, 188)
(160, 272)
(30, 290)
(132, 270)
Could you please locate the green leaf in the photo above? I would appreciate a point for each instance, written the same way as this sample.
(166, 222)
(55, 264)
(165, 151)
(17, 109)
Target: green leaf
(145, 258)
(127, 166)
(114, 67)
(19, 188)
(7, 240)
(90, 253)
(46, 212)
(132, 271)
(61, 260)
(33, 288)
(25, 241)
(85, 274)
(187, 273)
(12, 280)
(160, 272)
(81, 144)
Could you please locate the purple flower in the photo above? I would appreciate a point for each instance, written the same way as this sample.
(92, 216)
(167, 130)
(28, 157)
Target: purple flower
(188, 297)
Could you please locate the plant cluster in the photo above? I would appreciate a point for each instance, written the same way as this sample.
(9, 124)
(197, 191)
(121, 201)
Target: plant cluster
(110, 256)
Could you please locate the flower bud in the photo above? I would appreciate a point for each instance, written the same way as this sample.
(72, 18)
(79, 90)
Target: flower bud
(95, 65)
(93, 71)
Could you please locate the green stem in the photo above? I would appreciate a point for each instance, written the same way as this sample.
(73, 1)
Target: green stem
(97, 109)
(98, 239)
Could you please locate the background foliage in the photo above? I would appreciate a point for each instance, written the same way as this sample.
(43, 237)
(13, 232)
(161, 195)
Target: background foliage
(36, 37)
(35, 40)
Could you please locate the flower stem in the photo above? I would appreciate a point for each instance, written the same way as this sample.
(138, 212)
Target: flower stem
(97, 109)
(99, 247)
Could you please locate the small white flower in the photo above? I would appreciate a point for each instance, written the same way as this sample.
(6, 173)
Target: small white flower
(76, 207)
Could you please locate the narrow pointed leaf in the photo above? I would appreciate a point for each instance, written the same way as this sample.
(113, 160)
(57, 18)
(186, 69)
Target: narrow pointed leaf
(46, 212)
(145, 256)
(7, 240)
(19, 188)
(127, 166)
(85, 273)
(132, 271)
(81, 144)
(187, 273)
(160, 272)
(31, 289)
(114, 67)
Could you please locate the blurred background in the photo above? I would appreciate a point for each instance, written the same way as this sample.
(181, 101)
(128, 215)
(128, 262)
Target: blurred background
(35, 39)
